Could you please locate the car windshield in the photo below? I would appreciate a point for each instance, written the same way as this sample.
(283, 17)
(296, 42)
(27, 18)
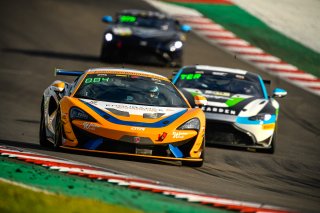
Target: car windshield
(221, 82)
(146, 21)
(130, 89)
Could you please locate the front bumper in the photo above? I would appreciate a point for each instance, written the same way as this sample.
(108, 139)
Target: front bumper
(139, 51)
(136, 155)
(225, 130)
(190, 146)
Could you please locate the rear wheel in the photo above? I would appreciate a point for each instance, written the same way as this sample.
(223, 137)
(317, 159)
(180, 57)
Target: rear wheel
(42, 130)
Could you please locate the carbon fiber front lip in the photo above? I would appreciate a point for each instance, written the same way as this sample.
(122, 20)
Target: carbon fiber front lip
(234, 130)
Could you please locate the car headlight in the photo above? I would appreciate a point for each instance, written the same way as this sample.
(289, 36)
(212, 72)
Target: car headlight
(79, 114)
(175, 45)
(194, 124)
(260, 117)
(108, 36)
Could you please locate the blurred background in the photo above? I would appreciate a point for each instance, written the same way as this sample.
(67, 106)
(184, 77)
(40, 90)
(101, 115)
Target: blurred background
(38, 36)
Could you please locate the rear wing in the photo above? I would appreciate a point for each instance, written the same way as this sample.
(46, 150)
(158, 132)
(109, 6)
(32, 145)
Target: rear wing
(67, 72)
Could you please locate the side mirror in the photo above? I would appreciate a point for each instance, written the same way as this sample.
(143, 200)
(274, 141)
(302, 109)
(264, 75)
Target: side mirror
(279, 93)
(107, 19)
(200, 101)
(185, 28)
(58, 86)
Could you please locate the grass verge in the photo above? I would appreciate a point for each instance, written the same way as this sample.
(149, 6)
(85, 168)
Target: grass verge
(80, 189)
(18, 199)
(259, 34)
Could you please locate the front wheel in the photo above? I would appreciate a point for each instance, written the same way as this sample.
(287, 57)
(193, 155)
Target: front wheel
(108, 54)
(272, 147)
(103, 54)
(58, 132)
(194, 163)
(43, 141)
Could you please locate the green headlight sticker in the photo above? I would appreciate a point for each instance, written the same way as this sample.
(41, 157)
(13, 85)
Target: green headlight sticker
(128, 18)
(190, 76)
(195, 93)
(96, 80)
(234, 101)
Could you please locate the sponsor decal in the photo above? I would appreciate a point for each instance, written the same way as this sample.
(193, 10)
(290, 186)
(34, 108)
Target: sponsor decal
(128, 19)
(218, 110)
(102, 74)
(240, 76)
(138, 128)
(96, 80)
(122, 31)
(136, 139)
(131, 107)
(93, 102)
(268, 126)
(234, 101)
(179, 134)
(219, 73)
(190, 76)
(227, 94)
(162, 136)
(90, 126)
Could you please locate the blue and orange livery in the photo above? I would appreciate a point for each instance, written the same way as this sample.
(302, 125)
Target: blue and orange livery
(124, 112)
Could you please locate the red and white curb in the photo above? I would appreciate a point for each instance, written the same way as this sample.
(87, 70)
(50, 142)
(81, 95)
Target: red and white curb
(224, 39)
(88, 171)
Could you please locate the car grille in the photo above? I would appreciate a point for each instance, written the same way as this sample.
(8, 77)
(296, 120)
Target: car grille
(226, 133)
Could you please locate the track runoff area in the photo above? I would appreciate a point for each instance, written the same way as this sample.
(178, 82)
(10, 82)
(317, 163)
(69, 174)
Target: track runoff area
(226, 40)
(132, 182)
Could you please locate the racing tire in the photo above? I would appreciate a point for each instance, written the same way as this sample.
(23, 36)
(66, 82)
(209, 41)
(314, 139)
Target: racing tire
(103, 55)
(43, 141)
(107, 55)
(272, 147)
(194, 163)
(58, 132)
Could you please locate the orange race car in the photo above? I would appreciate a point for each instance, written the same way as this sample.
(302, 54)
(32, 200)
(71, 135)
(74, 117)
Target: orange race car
(124, 112)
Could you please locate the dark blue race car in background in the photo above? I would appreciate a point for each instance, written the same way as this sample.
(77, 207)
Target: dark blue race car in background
(145, 37)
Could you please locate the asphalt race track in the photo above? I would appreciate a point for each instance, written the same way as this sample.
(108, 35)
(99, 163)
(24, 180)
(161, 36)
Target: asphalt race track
(40, 35)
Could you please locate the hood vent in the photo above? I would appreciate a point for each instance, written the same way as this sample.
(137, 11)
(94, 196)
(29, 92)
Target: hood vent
(152, 115)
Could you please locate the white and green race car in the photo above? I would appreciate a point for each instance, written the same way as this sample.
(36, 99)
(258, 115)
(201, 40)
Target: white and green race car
(239, 111)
